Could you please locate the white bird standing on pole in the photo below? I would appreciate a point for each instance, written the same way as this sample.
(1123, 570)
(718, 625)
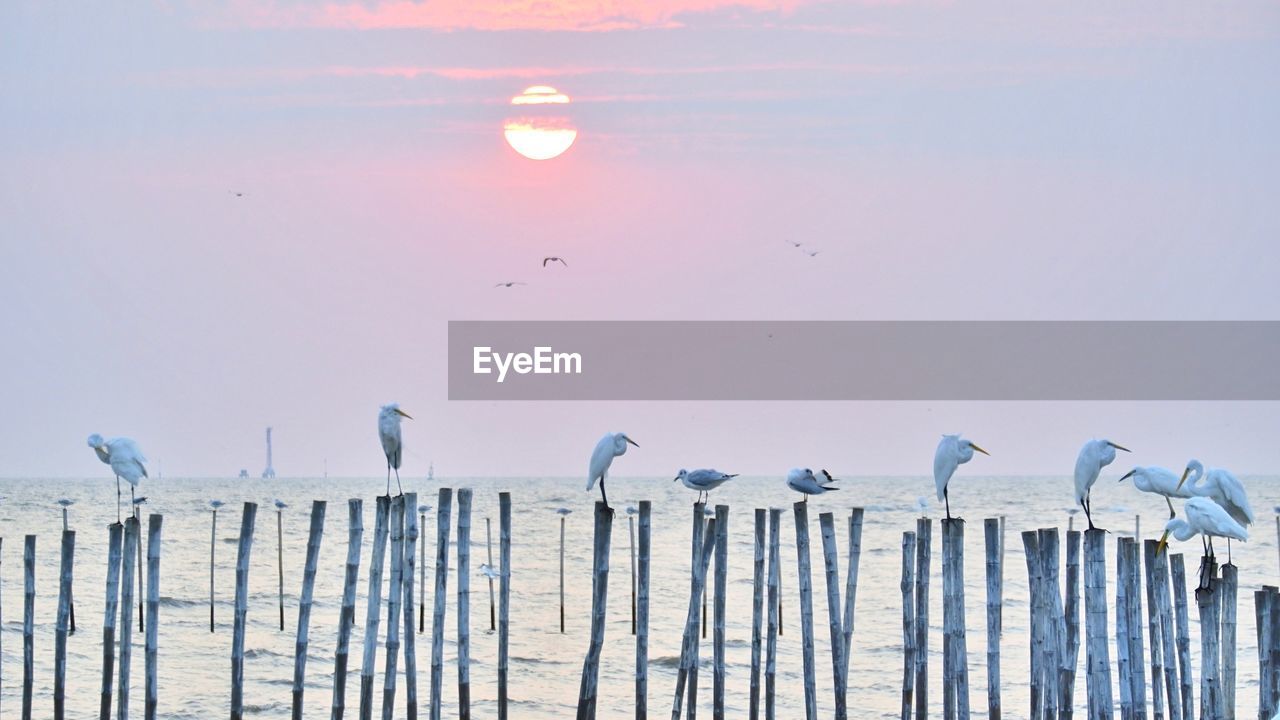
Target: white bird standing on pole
(953, 451)
(803, 481)
(704, 481)
(1206, 518)
(1222, 487)
(610, 446)
(1095, 455)
(389, 432)
(1158, 481)
(126, 461)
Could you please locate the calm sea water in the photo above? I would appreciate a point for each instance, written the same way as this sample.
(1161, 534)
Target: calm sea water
(546, 665)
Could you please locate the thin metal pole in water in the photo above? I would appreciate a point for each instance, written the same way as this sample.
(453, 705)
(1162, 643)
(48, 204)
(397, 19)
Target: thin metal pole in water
(64, 619)
(1228, 588)
(347, 616)
(907, 586)
(304, 605)
(411, 536)
(1178, 570)
(241, 611)
(757, 611)
(395, 596)
(464, 603)
(956, 670)
(504, 599)
(1098, 658)
(562, 519)
(152, 649)
(589, 688)
(698, 583)
(1210, 646)
(126, 616)
(831, 574)
(488, 545)
(805, 582)
(642, 612)
(924, 539)
(772, 615)
(115, 536)
(213, 541)
(718, 611)
(137, 514)
(280, 563)
(422, 574)
(631, 545)
(28, 622)
(374, 599)
(851, 587)
(444, 508)
(995, 596)
(695, 553)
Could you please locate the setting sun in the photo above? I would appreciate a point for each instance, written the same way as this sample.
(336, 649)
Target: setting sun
(538, 134)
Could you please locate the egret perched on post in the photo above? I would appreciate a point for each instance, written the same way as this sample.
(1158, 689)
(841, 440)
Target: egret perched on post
(126, 461)
(1158, 481)
(953, 451)
(389, 432)
(704, 481)
(1095, 455)
(610, 446)
(1222, 487)
(803, 481)
(1206, 518)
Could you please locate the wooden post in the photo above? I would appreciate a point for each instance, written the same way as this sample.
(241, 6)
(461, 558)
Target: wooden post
(305, 603)
(137, 515)
(1097, 656)
(1138, 675)
(562, 519)
(71, 600)
(395, 596)
(1159, 576)
(422, 574)
(588, 690)
(1262, 600)
(28, 623)
(805, 582)
(151, 659)
(771, 614)
(1275, 648)
(956, 678)
(757, 611)
(1228, 590)
(995, 596)
(126, 616)
(280, 563)
(488, 545)
(831, 565)
(1002, 571)
(695, 554)
(1072, 624)
(1123, 664)
(851, 588)
(631, 545)
(64, 620)
(1210, 646)
(444, 506)
(1055, 630)
(241, 611)
(1036, 623)
(347, 616)
(213, 542)
(924, 541)
(718, 611)
(115, 535)
(1183, 630)
(688, 640)
(907, 586)
(504, 599)
(373, 610)
(464, 604)
(411, 535)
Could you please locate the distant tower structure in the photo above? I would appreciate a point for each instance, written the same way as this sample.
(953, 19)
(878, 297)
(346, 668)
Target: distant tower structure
(270, 472)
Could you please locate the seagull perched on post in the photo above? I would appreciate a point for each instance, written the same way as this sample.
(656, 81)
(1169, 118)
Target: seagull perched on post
(704, 481)
(126, 461)
(803, 481)
(609, 447)
(389, 432)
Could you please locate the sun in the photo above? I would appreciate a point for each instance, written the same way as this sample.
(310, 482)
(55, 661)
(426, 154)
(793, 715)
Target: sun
(538, 133)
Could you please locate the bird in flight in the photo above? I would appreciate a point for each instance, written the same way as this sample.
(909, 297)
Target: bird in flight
(237, 193)
(509, 284)
(793, 243)
(813, 253)
(552, 259)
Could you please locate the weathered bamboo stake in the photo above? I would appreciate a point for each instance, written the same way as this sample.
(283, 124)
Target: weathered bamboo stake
(126, 616)
(1275, 648)
(395, 596)
(1054, 631)
(1136, 649)
(907, 586)
(831, 565)
(588, 690)
(305, 603)
(28, 622)
(464, 603)
(71, 601)
(1036, 626)
(995, 593)
(241, 611)
(504, 597)
(137, 514)
(757, 612)
(1183, 629)
(956, 679)
(631, 545)
(1071, 614)
(1164, 609)
(374, 607)
(1123, 663)
(280, 561)
(422, 570)
(718, 611)
(1153, 629)
(698, 583)
(924, 541)
(699, 526)
(488, 545)
(562, 519)
(411, 535)
(64, 619)
(444, 507)
(1228, 590)
(347, 616)
(1002, 571)
(771, 615)
(1262, 623)
(1097, 656)
(152, 657)
(851, 588)
(213, 542)
(805, 583)
(1, 612)
(1210, 646)
(115, 536)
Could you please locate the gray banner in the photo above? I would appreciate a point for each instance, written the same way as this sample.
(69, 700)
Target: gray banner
(1068, 360)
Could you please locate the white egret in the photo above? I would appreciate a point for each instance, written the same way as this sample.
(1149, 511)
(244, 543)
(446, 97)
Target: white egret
(953, 451)
(803, 481)
(389, 432)
(126, 461)
(1222, 487)
(1095, 455)
(1206, 518)
(1158, 481)
(704, 481)
(610, 446)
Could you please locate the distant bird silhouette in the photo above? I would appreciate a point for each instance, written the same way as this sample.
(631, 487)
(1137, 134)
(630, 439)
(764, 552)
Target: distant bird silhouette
(139, 500)
(66, 502)
(813, 253)
(489, 571)
(280, 504)
(215, 504)
(237, 193)
(563, 511)
(552, 259)
(792, 243)
(509, 284)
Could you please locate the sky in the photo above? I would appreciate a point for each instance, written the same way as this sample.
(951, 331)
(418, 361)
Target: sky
(985, 160)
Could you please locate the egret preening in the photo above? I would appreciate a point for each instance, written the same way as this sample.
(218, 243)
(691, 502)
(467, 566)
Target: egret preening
(126, 461)
(1205, 518)
(704, 481)
(1095, 455)
(610, 446)
(389, 432)
(1158, 481)
(1222, 487)
(803, 481)
(953, 451)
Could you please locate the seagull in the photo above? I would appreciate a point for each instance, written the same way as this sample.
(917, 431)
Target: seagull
(280, 504)
(215, 504)
(609, 447)
(802, 481)
(424, 509)
(1095, 455)
(139, 501)
(704, 481)
(563, 511)
(126, 461)
(389, 432)
(489, 571)
(813, 253)
(552, 259)
(66, 502)
(922, 503)
(237, 193)
(953, 451)
(792, 243)
(631, 510)
(509, 284)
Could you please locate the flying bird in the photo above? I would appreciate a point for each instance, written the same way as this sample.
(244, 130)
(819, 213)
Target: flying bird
(126, 461)
(803, 481)
(609, 447)
(1095, 455)
(1158, 481)
(953, 451)
(552, 259)
(389, 432)
(812, 253)
(509, 284)
(704, 481)
(1205, 518)
(793, 243)
(237, 193)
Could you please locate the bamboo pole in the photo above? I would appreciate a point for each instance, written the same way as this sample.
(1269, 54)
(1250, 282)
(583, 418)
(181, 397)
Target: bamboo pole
(1123, 664)
(1, 614)
(924, 541)
(631, 545)
(1036, 623)
(851, 588)
(63, 624)
(1228, 590)
(444, 507)
(422, 572)
(995, 596)
(757, 611)
(771, 615)
(464, 604)
(152, 657)
(374, 599)
(587, 692)
(213, 541)
(1136, 649)
(1178, 570)
(137, 514)
(1002, 571)
(699, 527)
(956, 678)
(562, 519)
(831, 566)
(718, 610)
(28, 622)
(1095, 614)
(1053, 621)
(1072, 624)
(411, 536)
(115, 538)
(1164, 610)
(126, 617)
(1275, 648)
(488, 544)
(347, 616)
(304, 605)
(1267, 691)
(805, 582)
(504, 599)
(395, 596)
(907, 586)
(698, 583)
(280, 562)
(241, 611)
(642, 613)
(1210, 645)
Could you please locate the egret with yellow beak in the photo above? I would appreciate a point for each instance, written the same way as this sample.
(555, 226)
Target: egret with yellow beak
(389, 432)
(953, 451)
